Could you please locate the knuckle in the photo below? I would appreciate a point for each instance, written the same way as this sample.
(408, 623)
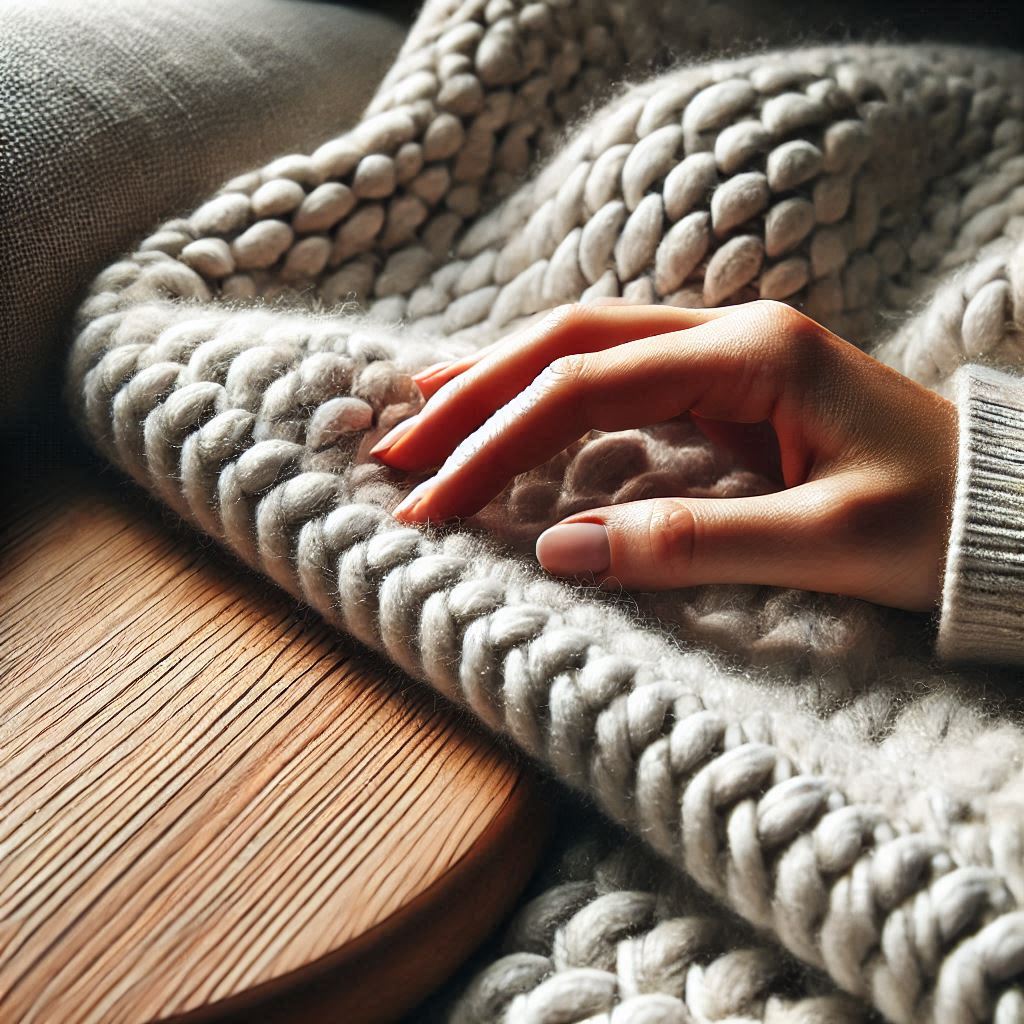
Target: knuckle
(560, 318)
(568, 371)
(797, 337)
(673, 533)
(562, 322)
(572, 314)
(781, 313)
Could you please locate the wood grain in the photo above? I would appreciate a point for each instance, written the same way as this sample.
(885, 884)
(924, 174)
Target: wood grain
(207, 796)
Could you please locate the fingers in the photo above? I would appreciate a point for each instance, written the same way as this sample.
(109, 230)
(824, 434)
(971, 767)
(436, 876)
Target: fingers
(791, 538)
(865, 455)
(723, 368)
(473, 391)
(432, 378)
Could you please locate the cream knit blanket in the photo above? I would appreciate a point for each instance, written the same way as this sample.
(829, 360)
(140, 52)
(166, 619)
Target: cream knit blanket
(818, 806)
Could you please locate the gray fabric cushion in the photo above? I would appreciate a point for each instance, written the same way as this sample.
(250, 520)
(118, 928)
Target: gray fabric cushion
(117, 113)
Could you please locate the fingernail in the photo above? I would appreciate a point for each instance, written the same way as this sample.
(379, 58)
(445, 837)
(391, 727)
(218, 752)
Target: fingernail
(429, 371)
(393, 435)
(406, 507)
(574, 548)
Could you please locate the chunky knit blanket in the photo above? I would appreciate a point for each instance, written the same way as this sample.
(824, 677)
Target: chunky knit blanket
(824, 822)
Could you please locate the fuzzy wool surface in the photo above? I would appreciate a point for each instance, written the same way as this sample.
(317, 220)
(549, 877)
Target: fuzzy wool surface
(825, 823)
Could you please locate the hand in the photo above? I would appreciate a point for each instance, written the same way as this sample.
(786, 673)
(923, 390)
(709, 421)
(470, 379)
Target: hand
(867, 457)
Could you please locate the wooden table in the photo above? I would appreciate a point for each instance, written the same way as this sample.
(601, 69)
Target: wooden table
(209, 800)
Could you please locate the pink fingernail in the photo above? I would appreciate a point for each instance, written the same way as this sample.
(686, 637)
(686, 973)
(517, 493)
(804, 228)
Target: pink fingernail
(429, 371)
(572, 548)
(388, 440)
(412, 499)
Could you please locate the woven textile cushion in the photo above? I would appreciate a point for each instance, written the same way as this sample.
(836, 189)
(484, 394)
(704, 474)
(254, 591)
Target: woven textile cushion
(826, 823)
(114, 113)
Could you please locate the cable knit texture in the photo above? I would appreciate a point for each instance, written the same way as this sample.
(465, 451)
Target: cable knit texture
(837, 819)
(983, 593)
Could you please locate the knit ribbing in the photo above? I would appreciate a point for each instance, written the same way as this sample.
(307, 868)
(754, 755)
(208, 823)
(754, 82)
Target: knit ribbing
(983, 593)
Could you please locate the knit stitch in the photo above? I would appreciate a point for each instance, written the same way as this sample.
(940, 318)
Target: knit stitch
(801, 758)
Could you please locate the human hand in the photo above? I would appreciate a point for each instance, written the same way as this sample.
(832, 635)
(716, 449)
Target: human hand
(867, 457)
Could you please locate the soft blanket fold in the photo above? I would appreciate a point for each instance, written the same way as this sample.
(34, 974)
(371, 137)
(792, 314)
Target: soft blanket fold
(802, 759)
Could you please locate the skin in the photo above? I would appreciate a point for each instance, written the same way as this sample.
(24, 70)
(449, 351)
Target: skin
(865, 458)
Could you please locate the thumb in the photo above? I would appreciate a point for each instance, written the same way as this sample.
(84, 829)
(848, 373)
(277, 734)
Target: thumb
(791, 538)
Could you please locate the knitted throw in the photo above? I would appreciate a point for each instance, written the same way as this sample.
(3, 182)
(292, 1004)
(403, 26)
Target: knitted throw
(827, 822)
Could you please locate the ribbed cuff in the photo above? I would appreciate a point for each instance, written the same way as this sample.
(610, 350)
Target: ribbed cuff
(982, 615)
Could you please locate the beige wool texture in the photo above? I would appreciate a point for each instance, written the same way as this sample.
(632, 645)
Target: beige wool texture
(825, 821)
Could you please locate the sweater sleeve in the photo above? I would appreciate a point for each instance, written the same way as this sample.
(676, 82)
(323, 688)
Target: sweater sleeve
(982, 612)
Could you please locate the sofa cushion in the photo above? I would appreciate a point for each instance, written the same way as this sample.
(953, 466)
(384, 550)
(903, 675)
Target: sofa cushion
(115, 114)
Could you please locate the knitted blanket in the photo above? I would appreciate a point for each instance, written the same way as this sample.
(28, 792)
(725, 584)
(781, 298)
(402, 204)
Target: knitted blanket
(826, 822)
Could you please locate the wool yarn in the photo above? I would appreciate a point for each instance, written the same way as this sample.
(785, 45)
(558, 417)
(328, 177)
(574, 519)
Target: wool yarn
(613, 934)
(802, 760)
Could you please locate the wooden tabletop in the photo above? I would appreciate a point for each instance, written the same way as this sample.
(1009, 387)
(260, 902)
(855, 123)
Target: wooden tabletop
(207, 796)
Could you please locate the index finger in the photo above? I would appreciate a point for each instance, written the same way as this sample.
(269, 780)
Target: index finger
(466, 401)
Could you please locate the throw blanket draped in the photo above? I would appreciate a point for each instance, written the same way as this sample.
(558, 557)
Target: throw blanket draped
(825, 819)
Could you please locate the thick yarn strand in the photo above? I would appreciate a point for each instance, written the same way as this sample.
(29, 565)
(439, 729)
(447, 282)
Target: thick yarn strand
(875, 834)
